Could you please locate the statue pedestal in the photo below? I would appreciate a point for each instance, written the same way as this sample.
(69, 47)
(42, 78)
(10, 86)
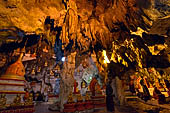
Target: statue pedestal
(80, 106)
(11, 85)
(19, 109)
(89, 105)
(99, 101)
(69, 107)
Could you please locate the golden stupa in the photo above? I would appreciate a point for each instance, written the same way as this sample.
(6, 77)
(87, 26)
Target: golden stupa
(15, 70)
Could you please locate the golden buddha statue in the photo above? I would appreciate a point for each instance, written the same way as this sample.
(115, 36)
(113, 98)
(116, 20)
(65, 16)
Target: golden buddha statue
(46, 64)
(17, 101)
(51, 73)
(45, 49)
(29, 52)
(34, 54)
(3, 101)
(79, 98)
(87, 97)
(33, 71)
(57, 68)
(15, 70)
(83, 84)
(70, 98)
(39, 69)
(29, 100)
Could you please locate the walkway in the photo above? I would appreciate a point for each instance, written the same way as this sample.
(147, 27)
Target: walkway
(43, 108)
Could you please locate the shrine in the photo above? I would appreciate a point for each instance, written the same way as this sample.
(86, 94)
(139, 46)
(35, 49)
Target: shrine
(84, 56)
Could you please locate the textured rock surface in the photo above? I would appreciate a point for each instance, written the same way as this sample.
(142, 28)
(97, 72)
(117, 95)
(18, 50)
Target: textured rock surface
(129, 30)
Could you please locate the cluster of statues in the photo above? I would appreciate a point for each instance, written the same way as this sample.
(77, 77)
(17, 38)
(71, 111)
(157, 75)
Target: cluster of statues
(16, 102)
(79, 98)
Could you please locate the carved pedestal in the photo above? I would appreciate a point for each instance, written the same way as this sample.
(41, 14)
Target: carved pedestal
(98, 101)
(69, 107)
(80, 106)
(89, 105)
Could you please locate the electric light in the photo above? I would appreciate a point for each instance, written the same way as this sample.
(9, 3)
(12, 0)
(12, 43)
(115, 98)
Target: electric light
(63, 59)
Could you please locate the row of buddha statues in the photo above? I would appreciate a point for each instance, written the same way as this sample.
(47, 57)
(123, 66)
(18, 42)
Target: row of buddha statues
(80, 98)
(16, 102)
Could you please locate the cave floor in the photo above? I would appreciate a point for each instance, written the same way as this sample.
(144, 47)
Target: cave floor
(134, 107)
(43, 108)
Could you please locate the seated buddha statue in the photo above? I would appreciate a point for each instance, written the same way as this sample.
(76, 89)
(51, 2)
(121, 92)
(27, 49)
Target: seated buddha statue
(17, 101)
(87, 97)
(51, 73)
(39, 69)
(95, 87)
(79, 98)
(15, 70)
(70, 98)
(83, 88)
(3, 101)
(29, 100)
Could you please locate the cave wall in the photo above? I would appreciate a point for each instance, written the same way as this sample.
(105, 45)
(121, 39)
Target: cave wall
(118, 26)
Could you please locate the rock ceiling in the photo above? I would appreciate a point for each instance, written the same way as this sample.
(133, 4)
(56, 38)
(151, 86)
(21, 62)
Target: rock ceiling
(135, 33)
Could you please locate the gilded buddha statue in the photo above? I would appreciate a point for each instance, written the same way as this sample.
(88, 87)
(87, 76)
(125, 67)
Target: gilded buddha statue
(39, 69)
(3, 101)
(70, 98)
(51, 73)
(79, 98)
(29, 100)
(17, 101)
(16, 70)
(87, 97)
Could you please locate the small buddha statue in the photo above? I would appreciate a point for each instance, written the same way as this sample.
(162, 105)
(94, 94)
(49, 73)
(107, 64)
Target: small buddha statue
(45, 49)
(46, 64)
(34, 53)
(3, 101)
(83, 84)
(39, 69)
(17, 101)
(70, 98)
(57, 68)
(79, 98)
(51, 73)
(29, 52)
(29, 100)
(87, 97)
(33, 71)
